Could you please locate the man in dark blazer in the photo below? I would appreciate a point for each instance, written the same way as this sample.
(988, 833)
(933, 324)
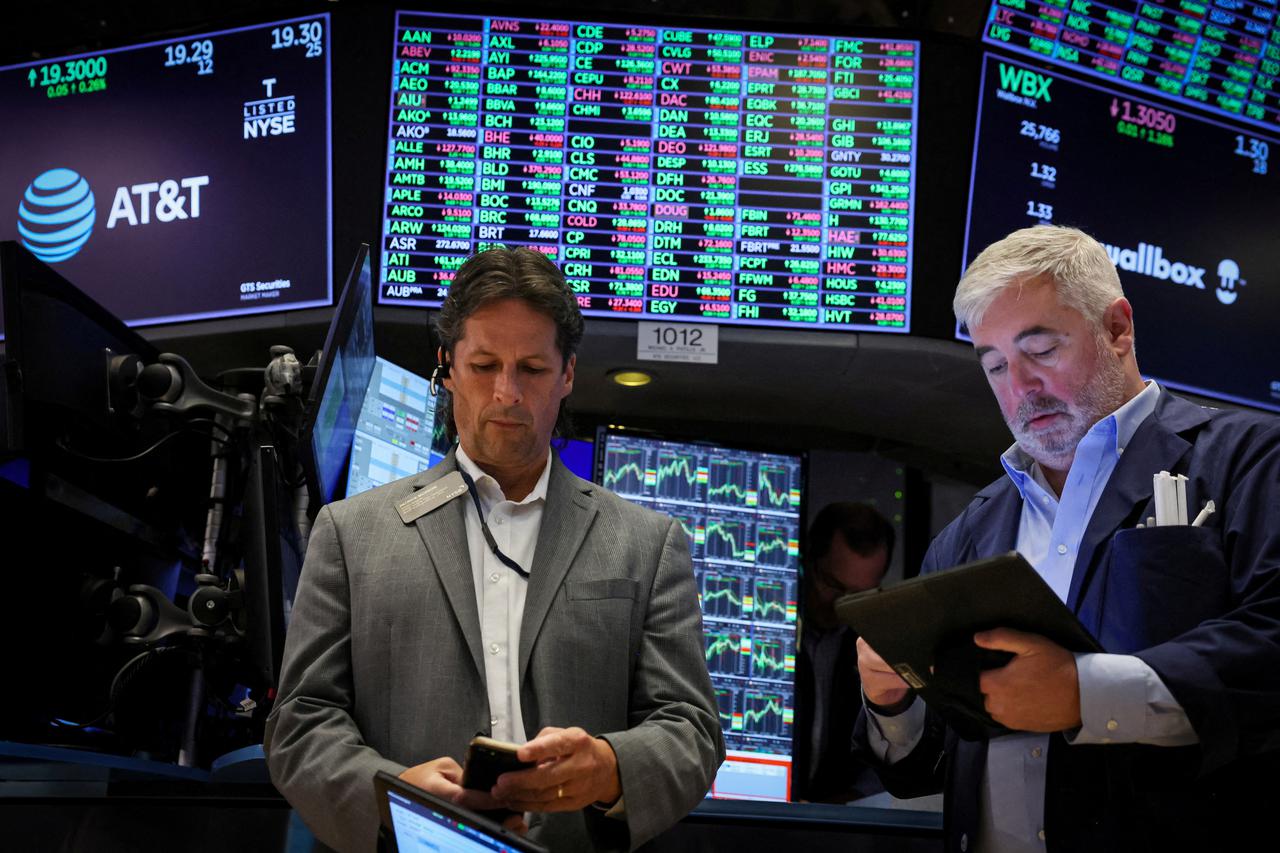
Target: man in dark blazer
(497, 593)
(848, 550)
(1169, 740)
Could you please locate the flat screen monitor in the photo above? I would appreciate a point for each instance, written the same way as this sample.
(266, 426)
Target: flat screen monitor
(1184, 204)
(272, 563)
(337, 392)
(739, 176)
(1221, 57)
(179, 179)
(59, 407)
(742, 512)
(393, 436)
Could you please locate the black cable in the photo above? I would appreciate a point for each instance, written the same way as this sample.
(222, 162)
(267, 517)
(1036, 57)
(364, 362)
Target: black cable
(62, 445)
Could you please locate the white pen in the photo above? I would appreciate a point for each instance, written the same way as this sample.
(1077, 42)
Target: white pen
(1208, 510)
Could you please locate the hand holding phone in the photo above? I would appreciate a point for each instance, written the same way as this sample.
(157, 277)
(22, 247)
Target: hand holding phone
(487, 759)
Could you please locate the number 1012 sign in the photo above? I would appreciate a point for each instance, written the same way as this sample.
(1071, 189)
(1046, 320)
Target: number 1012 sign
(691, 342)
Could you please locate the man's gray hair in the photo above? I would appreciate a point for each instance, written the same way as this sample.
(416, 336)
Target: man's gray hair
(1079, 266)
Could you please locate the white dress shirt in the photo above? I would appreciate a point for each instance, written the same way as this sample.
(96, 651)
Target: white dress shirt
(500, 592)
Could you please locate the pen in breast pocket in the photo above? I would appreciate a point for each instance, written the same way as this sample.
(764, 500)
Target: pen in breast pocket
(1208, 510)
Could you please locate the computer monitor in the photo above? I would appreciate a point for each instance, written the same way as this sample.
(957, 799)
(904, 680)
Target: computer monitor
(394, 431)
(337, 391)
(1052, 149)
(415, 821)
(179, 179)
(59, 403)
(272, 562)
(742, 512)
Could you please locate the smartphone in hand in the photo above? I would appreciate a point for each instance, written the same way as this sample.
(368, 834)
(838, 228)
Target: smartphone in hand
(487, 759)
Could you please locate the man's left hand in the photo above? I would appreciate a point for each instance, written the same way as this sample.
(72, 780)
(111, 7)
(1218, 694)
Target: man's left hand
(574, 770)
(1036, 691)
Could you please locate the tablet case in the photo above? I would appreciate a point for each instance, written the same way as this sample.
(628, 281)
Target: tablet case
(924, 627)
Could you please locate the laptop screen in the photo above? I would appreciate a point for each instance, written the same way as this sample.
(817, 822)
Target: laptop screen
(419, 828)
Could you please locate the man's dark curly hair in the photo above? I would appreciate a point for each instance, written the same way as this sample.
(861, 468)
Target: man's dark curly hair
(502, 273)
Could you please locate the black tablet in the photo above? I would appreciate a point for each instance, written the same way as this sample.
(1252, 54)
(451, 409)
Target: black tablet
(924, 627)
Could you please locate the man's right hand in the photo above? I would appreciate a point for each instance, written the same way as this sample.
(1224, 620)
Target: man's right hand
(880, 684)
(443, 777)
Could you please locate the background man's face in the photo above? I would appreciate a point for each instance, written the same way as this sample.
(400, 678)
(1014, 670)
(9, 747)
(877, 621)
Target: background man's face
(507, 378)
(839, 572)
(1052, 375)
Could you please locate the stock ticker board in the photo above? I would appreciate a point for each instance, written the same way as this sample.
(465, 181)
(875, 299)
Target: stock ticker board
(1219, 55)
(1185, 207)
(721, 175)
(741, 512)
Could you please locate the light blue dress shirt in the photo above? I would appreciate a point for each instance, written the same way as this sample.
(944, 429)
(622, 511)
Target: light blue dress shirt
(1122, 700)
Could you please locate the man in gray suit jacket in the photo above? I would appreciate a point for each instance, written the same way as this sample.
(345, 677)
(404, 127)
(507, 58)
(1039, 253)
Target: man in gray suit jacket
(531, 604)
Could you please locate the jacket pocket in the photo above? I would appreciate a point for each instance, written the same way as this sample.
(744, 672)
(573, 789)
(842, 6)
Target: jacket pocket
(1161, 583)
(602, 588)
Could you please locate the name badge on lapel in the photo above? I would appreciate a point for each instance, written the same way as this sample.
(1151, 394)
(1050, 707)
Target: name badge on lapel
(431, 497)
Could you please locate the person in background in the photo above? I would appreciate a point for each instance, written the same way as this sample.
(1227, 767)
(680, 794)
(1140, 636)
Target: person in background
(848, 550)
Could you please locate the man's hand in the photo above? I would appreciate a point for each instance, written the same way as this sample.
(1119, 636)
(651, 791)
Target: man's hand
(1036, 691)
(574, 770)
(880, 683)
(443, 777)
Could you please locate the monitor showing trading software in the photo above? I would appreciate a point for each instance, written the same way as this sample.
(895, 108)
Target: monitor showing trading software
(337, 392)
(393, 436)
(742, 512)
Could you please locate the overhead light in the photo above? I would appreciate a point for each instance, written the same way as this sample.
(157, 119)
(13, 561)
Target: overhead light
(631, 378)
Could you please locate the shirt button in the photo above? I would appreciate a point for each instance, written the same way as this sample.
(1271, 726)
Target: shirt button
(493, 721)
(1112, 725)
(494, 648)
(1040, 835)
(493, 578)
(964, 842)
(498, 521)
(1062, 549)
(1036, 753)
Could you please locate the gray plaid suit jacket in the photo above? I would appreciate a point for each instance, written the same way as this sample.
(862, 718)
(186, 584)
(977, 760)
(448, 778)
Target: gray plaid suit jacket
(383, 669)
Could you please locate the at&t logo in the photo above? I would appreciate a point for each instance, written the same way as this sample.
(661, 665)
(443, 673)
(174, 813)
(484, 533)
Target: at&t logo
(56, 215)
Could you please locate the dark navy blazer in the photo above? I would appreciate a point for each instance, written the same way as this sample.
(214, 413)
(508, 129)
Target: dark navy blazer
(1201, 606)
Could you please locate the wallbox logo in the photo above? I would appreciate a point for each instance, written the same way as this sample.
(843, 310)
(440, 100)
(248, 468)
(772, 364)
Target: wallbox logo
(1150, 260)
(56, 215)
(1228, 280)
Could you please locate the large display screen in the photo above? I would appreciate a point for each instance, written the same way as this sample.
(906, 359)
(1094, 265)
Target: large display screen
(1221, 56)
(179, 179)
(1184, 205)
(747, 177)
(741, 510)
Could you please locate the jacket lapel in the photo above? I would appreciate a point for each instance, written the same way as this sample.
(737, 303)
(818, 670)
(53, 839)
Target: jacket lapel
(444, 532)
(994, 522)
(567, 516)
(1156, 446)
